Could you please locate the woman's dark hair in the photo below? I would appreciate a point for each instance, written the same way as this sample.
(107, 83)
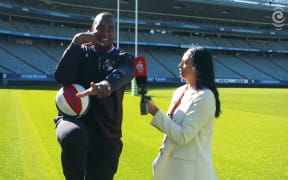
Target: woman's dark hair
(205, 72)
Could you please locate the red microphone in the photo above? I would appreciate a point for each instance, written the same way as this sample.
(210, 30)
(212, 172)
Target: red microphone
(140, 72)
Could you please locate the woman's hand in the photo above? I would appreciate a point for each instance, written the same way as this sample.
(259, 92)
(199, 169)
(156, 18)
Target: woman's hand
(152, 108)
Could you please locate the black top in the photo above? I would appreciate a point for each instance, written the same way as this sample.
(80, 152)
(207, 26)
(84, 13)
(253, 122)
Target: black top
(83, 64)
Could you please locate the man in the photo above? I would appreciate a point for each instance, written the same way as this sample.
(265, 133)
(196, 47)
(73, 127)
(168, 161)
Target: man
(91, 145)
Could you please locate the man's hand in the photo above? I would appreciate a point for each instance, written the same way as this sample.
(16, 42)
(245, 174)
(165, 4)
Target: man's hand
(101, 90)
(88, 38)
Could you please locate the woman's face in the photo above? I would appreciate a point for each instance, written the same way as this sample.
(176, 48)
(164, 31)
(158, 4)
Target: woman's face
(186, 68)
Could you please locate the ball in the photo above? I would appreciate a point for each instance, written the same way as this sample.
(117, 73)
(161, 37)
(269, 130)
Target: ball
(70, 105)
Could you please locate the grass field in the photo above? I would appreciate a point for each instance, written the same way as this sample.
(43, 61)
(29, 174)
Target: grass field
(250, 138)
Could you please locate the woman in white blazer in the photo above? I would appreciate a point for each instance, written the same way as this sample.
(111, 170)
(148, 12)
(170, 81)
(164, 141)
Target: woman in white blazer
(186, 152)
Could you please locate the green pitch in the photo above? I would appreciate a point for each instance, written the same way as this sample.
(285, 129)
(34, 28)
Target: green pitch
(250, 138)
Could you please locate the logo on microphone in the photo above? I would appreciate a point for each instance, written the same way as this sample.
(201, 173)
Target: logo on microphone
(140, 67)
(278, 18)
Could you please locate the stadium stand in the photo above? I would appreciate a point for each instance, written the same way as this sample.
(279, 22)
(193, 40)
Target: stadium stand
(246, 70)
(14, 64)
(281, 61)
(32, 56)
(33, 37)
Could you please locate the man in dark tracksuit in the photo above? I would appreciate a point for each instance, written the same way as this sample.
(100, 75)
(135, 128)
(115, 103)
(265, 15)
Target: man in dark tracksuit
(91, 145)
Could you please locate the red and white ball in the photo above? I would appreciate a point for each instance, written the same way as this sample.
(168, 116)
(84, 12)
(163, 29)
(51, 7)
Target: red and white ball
(70, 105)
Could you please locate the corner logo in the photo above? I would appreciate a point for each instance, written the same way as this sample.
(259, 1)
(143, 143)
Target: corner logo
(278, 18)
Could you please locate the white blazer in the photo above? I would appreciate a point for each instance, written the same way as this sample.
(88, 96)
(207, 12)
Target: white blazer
(186, 150)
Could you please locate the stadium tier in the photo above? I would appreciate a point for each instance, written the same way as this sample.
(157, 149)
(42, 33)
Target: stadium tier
(32, 42)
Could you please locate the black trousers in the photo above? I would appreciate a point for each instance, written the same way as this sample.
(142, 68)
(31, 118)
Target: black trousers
(84, 156)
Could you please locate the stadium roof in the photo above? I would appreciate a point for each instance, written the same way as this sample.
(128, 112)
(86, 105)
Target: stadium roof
(233, 10)
(252, 4)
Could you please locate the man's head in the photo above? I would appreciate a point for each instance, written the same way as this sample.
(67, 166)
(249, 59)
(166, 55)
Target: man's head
(104, 25)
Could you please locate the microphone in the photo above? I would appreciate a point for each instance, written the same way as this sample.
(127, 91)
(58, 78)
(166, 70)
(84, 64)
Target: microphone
(140, 72)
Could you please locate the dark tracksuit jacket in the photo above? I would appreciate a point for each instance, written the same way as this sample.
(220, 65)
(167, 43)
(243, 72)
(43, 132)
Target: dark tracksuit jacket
(82, 64)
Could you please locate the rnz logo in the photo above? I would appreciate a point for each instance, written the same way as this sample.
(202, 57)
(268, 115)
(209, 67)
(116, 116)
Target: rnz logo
(278, 18)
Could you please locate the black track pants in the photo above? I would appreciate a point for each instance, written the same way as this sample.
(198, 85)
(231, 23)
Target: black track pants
(84, 156)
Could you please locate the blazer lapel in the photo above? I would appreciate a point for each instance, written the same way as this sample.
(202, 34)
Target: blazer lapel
(183, 108)
(176, 101)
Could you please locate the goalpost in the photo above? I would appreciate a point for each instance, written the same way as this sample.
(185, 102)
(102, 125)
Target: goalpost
(134, 88)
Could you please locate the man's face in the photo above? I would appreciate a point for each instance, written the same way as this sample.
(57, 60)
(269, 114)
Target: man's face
(104, 25)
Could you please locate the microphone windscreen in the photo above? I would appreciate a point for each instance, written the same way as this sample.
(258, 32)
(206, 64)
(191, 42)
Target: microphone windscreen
(140, 67)
(140, 70)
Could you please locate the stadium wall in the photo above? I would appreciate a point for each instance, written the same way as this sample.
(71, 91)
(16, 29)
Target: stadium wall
(39, 79)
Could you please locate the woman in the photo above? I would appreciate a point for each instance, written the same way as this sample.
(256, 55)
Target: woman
(186, 150)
